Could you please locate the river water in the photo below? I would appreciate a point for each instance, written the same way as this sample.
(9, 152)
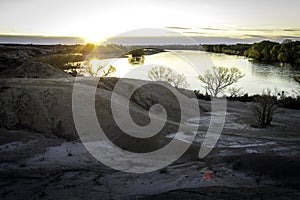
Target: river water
(258, 77)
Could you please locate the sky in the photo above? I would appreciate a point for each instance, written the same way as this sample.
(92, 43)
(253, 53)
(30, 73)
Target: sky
(96, 20)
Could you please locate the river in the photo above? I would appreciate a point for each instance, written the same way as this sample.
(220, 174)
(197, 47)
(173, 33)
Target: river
(258, 77)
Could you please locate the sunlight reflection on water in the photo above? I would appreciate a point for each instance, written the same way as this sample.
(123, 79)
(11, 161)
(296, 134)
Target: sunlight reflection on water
(258, 77)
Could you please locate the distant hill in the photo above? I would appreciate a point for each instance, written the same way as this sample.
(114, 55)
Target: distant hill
(21, 39)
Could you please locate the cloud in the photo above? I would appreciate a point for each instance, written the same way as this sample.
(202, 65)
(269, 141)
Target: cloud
(213, 29)
(254, 36)
(292, 30)
(255, 30)
(195, 32)
(289, 37)
(177, 27)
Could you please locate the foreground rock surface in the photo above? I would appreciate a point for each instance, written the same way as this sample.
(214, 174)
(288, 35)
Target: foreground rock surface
(37, 167)
(42, 157)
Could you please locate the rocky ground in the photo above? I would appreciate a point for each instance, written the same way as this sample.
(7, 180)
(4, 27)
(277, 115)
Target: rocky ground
(42, 156)
(246, 163)
(37, 167)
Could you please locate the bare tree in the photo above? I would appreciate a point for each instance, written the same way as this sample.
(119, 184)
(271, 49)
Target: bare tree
(168, 75)
(235, 92)
(264, 108)
(217, 79)
(98, 70)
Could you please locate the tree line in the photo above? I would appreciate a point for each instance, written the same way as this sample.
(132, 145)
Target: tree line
(233, 49)
(266, 51)
(286, 52)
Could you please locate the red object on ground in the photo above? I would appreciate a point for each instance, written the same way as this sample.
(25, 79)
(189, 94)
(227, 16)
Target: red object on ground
(208, 175)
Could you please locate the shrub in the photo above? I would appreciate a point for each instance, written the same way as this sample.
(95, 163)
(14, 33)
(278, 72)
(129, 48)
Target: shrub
(263, 109)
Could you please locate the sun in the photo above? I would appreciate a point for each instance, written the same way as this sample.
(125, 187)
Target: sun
(94, 38)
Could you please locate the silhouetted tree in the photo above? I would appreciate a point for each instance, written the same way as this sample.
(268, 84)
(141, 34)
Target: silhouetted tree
(264, 108)
(168, 75)
(217, 79)
(98, 70)
(235, 92)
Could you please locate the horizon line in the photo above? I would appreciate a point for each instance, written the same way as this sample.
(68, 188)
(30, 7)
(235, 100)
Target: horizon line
(140, 40)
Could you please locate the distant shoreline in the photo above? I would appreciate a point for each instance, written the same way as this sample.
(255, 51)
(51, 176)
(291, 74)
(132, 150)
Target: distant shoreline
(236, 49)
(131, 41)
